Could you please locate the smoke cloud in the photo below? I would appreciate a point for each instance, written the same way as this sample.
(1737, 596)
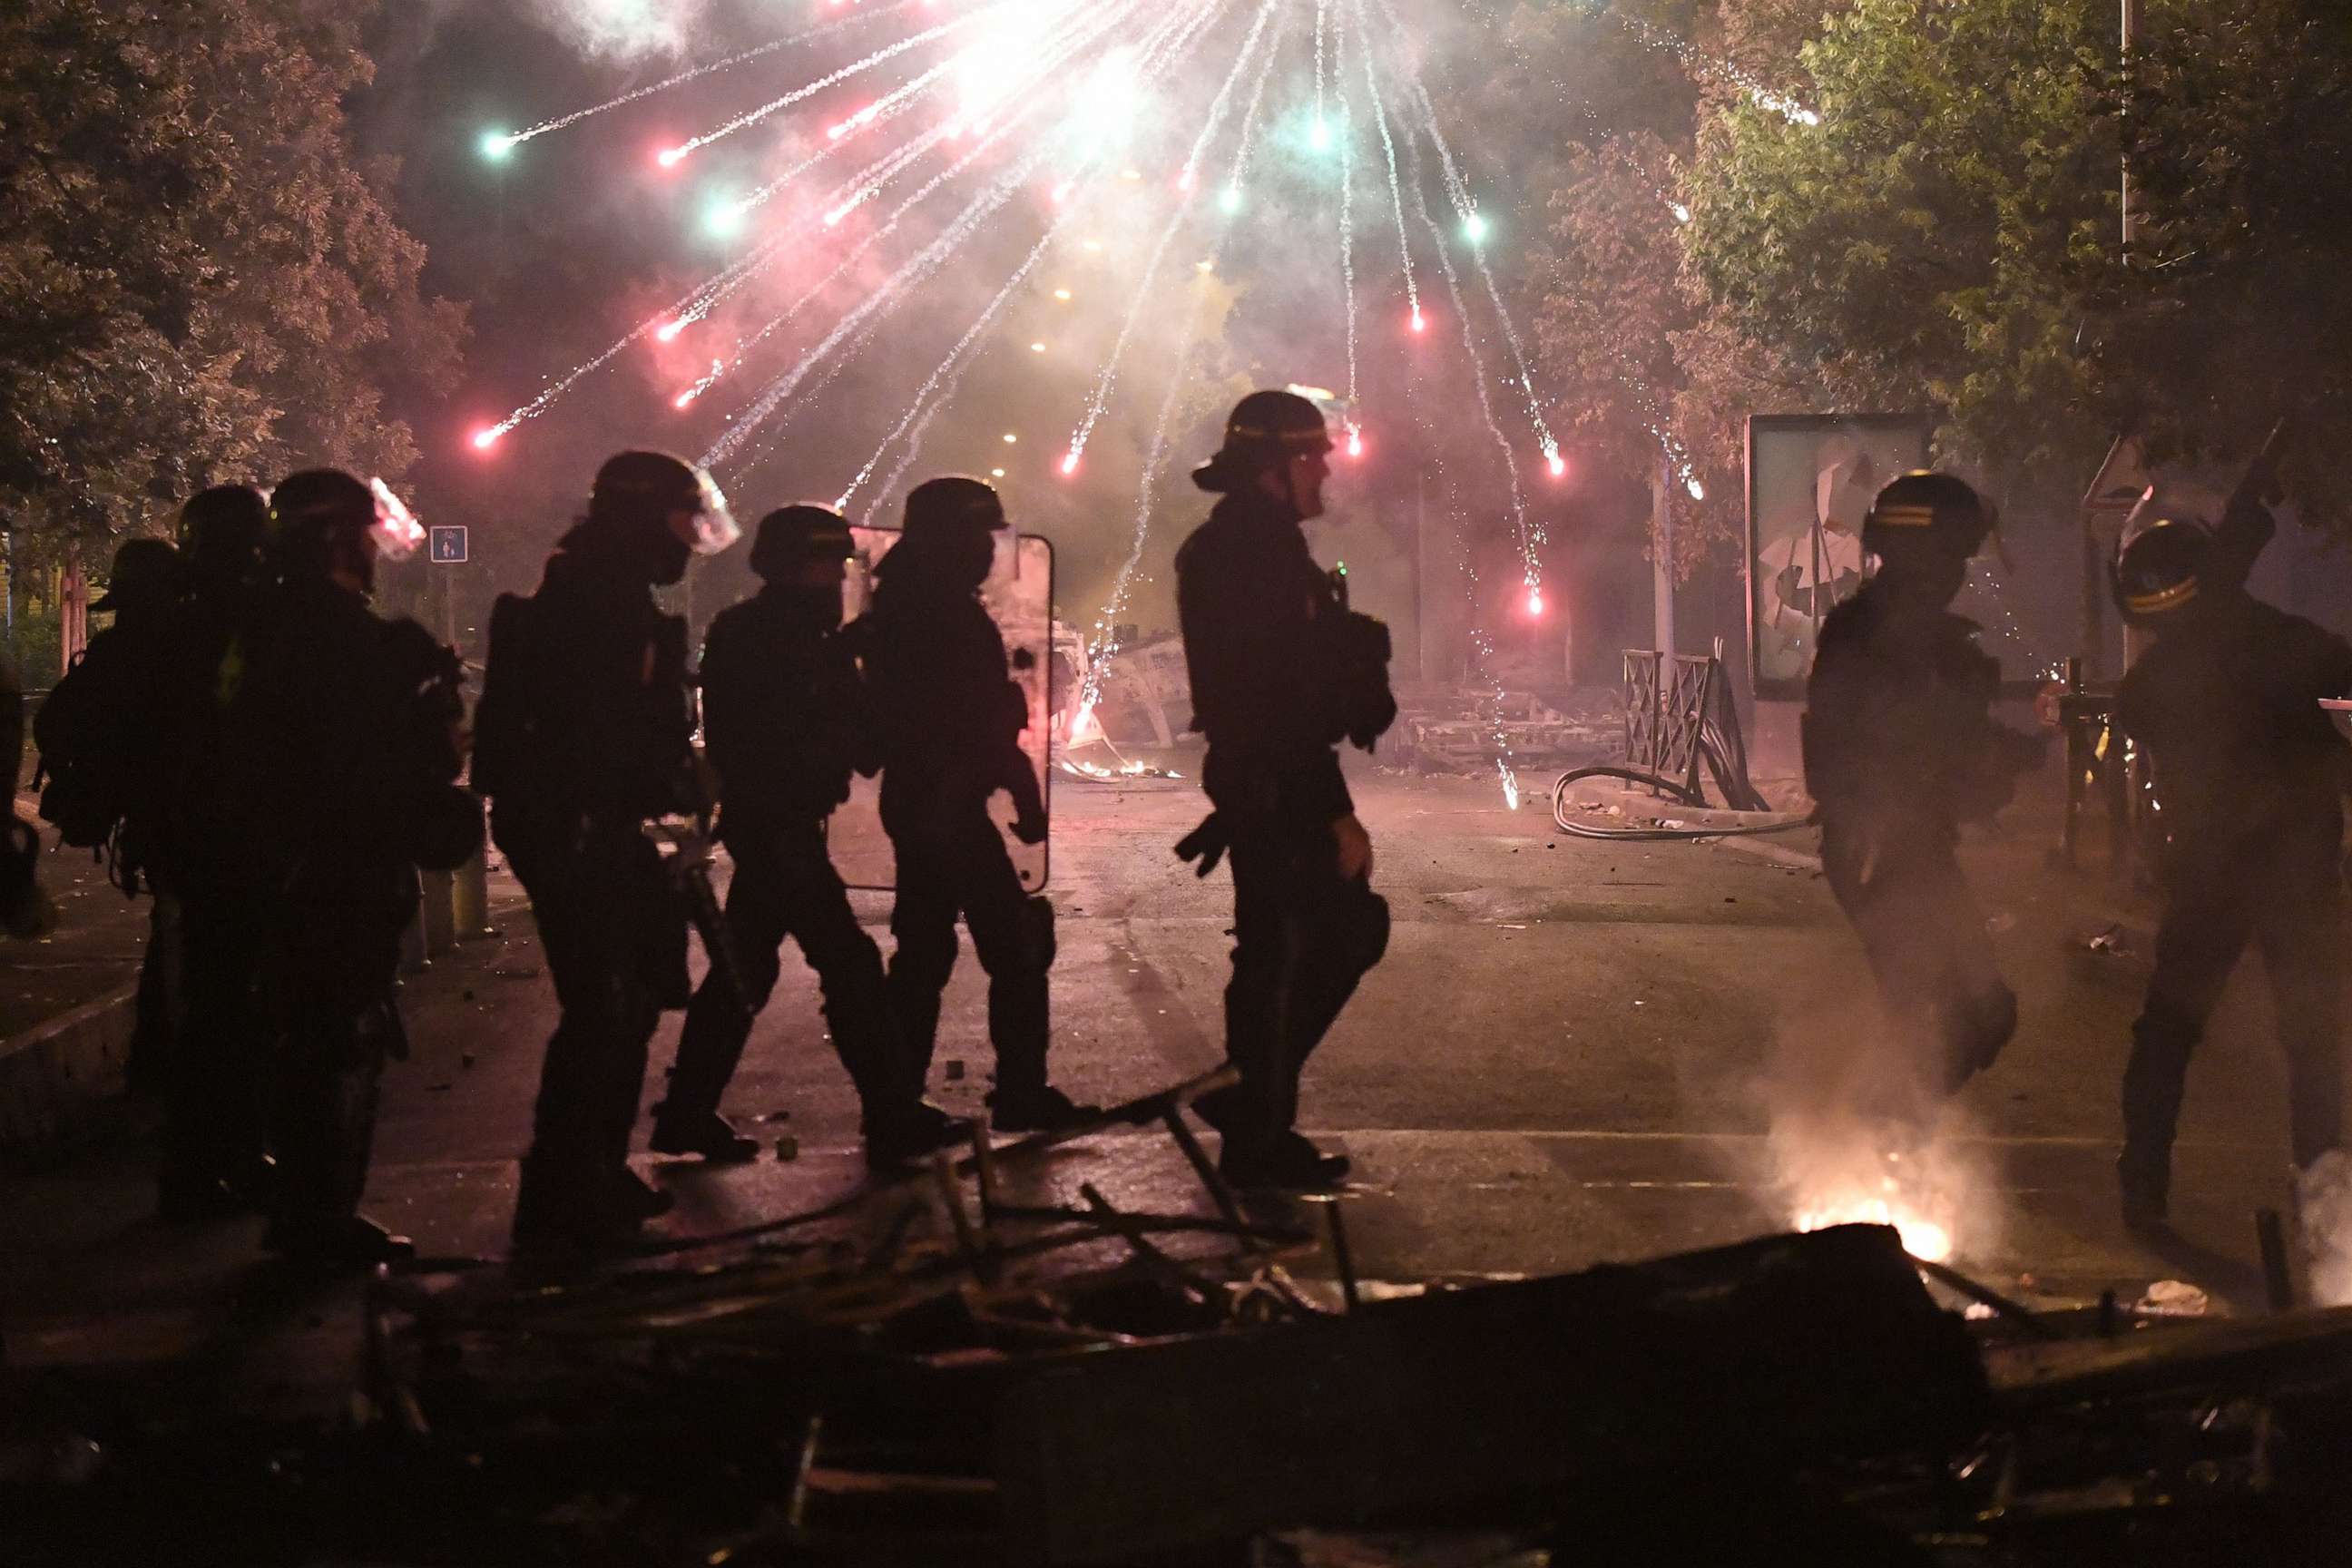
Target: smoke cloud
(625, 30)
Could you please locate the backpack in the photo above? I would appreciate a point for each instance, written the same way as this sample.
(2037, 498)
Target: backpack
(82, 796)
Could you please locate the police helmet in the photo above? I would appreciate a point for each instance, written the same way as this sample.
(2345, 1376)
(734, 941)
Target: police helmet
(646, 489)
(1923, 511)
(793, 534)
(1265, 430)
(951, 503)
(222, 529)
(146, 572)
(312, 511)
(2164, 561)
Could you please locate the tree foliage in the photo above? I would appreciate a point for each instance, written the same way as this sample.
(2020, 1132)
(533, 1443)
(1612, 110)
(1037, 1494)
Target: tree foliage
(1916, 247)
(1948, 237)
(197, 282)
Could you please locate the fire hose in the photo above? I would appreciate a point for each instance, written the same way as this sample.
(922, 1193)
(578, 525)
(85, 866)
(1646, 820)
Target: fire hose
(1724, 758)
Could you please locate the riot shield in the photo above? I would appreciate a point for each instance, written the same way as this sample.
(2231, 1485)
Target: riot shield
(1018, 594)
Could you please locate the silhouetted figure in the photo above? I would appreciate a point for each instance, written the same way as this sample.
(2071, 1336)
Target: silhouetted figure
(214, 1107)
(950, 720)
(2250, 774)
(1900, 748)
(786, 722)
(101, 737)
(345, 729)
(583, 735)
(1282, 672)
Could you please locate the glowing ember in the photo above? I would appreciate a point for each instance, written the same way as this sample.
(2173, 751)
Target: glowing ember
(1922, 1238)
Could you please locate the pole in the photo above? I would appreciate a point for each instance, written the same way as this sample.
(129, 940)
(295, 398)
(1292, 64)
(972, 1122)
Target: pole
(1662, 563)
(2131, 220)
(1420, 574)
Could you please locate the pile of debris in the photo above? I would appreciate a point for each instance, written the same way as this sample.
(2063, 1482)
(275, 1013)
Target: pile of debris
(1450, 729)
(945, 1370)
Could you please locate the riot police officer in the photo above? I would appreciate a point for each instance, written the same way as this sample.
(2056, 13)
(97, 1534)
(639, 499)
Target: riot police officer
(951, 722)
(2250, 774)
(583, 735)
(786, 722)
(1281, 672)
(344, 729)
(1900, 748)
(214, 1121)
(101, 738)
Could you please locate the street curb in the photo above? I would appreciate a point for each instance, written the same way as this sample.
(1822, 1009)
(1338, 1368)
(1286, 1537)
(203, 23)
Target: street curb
(55, 1075)
(1779, 855)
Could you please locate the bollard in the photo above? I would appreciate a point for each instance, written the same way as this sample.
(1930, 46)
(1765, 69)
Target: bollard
(470, 897)
(435, 910)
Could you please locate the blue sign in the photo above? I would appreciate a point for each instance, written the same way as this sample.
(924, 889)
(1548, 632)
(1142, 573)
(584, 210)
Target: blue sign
(449, 547)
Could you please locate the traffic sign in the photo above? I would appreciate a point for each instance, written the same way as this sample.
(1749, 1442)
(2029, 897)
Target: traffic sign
(449, 547)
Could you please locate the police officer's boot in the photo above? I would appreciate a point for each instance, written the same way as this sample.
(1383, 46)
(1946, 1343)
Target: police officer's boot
(2145, 1176)
(909, 1132)
(703, 1132)
(1039, 1108)
(1287, 1161)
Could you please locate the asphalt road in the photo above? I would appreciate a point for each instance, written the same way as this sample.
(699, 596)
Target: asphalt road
(1574, 1052)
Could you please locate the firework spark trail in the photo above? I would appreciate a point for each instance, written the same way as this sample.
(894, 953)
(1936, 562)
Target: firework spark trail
(1465, 210)
(1190, 27)
(911, 274)
(953, 363)
(856, 67)
(995, 198)
(1388, 145)
(1104, 646)
(1108, 378)
(1053, 48)
(1348, 232)
(879, 112)
(1322, 16)
(915, 271)
(846, 24)
(1248, 141)
(1699, 63)
(1477, 371)
(947, 376)
(1482, 644)
(907, 458)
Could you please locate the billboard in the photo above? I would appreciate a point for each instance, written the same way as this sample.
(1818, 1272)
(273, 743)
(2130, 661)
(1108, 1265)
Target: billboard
(1811, 477)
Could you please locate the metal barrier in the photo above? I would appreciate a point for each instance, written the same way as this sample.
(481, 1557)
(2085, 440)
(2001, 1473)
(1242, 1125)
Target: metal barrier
(1667, 704)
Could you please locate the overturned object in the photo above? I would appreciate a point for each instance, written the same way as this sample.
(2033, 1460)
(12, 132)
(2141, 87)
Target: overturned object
(1763, 1357)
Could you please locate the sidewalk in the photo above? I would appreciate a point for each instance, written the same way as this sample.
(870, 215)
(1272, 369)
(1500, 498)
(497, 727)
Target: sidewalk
(67, 1004)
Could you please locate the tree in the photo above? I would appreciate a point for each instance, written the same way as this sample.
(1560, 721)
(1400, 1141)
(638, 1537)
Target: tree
(196, 281)
(1916, 247)
(1948, 236)
(2232, 310)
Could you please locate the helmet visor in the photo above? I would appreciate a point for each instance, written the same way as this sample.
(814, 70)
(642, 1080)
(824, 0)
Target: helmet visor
(396, 531)
(711, 527)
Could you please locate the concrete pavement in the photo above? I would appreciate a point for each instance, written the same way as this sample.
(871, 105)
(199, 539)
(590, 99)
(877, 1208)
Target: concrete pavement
(1573, 1052)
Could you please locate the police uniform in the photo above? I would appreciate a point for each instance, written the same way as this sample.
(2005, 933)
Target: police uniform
(1267, 645)
(1900, 748)
(343, 727)
(584, 734)
(214, 1137)
(2249, 774)
(786, 722)
(950, 722)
